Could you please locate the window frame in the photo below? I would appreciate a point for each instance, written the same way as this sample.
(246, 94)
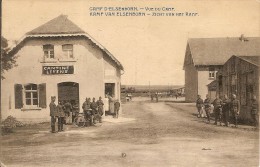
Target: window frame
(68, 52)
(212, 73)
(31, 92)
(49, 55)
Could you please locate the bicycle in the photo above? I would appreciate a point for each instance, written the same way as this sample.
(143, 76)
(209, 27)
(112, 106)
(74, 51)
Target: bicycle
(79, 120)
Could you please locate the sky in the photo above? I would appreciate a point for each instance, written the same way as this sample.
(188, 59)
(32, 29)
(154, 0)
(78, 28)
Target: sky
(151, 49)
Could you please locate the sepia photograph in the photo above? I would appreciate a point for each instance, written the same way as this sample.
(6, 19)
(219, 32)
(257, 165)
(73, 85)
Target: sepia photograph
(130, 83)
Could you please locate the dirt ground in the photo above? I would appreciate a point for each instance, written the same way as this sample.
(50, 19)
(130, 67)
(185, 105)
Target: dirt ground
(147, 134)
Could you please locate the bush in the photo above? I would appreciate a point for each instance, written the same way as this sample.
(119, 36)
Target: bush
(9, 124)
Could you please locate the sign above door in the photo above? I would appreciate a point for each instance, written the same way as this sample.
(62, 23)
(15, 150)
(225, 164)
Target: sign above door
(53, 70)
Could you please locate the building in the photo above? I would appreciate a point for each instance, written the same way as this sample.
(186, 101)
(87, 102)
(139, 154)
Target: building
(212, 89)
(240, 76)
(57, 59)
(205, 56)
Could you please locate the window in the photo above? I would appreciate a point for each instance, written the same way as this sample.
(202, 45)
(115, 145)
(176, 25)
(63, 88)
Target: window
(48, 51)
(212, 73)
(67, 51)
(31, 95)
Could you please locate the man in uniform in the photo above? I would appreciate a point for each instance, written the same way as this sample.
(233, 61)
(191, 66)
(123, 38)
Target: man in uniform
(75, 110)
(207, 105)
(235, 108)
(87, 110)
(254, 111)
(68, 110)
(117, 107)
(94, 108)
(226, 110)
(199, 105)
(61, 116)
(217, 103)
(100, 108)
(53, 113)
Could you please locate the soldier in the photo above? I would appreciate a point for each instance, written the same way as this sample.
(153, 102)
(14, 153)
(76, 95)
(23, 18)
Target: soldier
(156, 96)
(75, 110)
(226, 110)
(117, 107)
(68, 110)
(217, 103)
(94, 108)
(99, 111)
(87, 110)
(61, 116)
(53, 113)
(100, 108)
(235, 108)
(207, 107)
(254, 111)
(199, 105)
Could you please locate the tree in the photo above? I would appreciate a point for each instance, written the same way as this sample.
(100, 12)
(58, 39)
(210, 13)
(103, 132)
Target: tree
(7, 61)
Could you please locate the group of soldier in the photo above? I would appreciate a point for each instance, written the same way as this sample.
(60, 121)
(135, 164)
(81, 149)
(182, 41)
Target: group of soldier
(94, 110)
(224, 109)
(63, 110)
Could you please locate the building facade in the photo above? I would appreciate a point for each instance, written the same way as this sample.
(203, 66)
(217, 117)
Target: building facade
(240, 76)
(204, 57)
(57, 59)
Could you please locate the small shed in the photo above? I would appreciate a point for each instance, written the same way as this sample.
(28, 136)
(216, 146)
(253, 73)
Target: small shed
(212, 89)
(240, 76)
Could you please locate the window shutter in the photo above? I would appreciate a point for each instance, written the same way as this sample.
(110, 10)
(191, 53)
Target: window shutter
(42, 95)
(18, 91)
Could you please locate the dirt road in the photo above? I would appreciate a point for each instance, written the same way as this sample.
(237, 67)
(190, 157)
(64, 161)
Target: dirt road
(148, 134)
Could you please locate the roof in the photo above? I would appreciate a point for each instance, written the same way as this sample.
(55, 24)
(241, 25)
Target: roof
(251, 59)
(216, 51)
(58, 25)
(4, 42)
(61, 26)
(212, 86)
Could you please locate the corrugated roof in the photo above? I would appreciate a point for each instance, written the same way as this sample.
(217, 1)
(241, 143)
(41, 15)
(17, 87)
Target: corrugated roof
(58, 25)
(212, 86)
(61, 26)
(213, 83)
(251, 59)
(216, 51)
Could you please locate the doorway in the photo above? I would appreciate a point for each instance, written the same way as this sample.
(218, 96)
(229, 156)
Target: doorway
(110, 89)
(68, 91)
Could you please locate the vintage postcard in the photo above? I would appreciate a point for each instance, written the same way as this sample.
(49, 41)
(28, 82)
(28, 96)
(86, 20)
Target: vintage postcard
(130, 83)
